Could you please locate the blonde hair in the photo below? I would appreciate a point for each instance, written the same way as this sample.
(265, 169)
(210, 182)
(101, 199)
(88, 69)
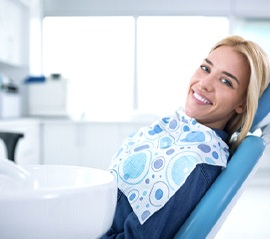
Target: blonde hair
(259, 79)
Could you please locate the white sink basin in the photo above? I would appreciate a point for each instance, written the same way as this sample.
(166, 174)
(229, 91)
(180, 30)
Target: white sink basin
(60, 202)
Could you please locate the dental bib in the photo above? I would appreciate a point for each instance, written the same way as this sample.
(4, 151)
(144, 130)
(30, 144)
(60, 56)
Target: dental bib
(155, 162)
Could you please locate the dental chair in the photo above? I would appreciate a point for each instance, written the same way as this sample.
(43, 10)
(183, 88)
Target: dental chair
(211, 212)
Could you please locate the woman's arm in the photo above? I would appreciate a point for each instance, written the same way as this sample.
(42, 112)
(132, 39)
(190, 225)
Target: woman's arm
(167, 221)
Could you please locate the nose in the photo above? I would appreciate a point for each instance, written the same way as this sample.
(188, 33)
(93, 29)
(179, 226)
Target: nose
(206, 83)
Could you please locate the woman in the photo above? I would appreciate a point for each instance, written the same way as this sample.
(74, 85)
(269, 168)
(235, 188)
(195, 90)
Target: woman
(164, 170)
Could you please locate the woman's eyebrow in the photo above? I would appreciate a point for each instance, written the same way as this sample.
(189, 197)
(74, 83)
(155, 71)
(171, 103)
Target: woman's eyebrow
(224, 72)
(231, 76)
(209, 62)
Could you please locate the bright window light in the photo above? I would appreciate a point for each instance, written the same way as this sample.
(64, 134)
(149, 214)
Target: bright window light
(118, 66)
(169, 50)
(96, 55)
(257, 30)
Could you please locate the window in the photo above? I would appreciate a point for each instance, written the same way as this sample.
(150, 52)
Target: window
(169, 50)
(116, 66)
(96, 55)
(257, 30)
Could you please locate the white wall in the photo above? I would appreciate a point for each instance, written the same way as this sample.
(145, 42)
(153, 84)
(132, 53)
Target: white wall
(239, 8)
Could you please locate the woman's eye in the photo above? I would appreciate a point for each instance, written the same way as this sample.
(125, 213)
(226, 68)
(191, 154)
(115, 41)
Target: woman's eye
(226, 82)
(205, 68)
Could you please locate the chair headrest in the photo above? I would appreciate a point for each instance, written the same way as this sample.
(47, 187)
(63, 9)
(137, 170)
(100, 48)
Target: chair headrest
(262, 117)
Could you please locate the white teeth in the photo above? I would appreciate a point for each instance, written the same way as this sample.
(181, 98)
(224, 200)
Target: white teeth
(203, 100)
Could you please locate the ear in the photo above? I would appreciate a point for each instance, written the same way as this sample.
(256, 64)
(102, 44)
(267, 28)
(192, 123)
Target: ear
(241, 108)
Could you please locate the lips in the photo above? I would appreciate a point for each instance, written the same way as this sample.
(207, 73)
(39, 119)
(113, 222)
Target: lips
(201, 98)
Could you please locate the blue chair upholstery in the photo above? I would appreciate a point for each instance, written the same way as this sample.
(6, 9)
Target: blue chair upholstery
(209, 215)
(262, 117)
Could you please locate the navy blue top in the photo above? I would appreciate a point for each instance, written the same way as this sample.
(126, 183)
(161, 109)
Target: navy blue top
(168, 220)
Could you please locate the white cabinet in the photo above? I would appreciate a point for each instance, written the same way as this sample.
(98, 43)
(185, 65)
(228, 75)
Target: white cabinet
(83, 143)
(11, 27)
(66, 142)
(28, 148)
(48, 98)
(59, 143)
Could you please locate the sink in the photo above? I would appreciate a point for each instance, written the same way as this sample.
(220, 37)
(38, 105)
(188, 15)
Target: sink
(58, 202)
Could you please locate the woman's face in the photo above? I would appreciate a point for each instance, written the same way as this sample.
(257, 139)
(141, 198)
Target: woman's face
(217, 89)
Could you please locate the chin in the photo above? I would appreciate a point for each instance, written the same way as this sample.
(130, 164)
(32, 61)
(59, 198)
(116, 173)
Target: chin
(189, 113)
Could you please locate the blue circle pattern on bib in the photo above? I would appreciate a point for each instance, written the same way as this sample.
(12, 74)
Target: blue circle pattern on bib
(154, 163)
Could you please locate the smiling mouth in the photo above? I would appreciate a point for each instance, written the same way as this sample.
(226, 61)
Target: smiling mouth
(201, 99)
